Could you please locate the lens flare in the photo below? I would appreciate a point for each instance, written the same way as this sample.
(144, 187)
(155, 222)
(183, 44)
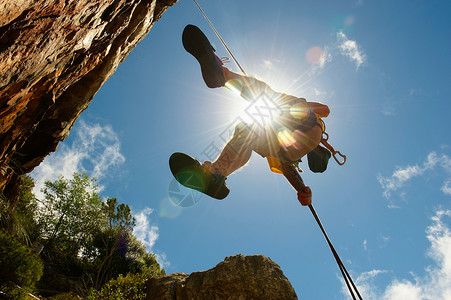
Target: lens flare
(168, 209)
(182, 196)
(349, 21)
(314, 55)
(286, 138)
(299, 111)
(263, 111)
(235, 85)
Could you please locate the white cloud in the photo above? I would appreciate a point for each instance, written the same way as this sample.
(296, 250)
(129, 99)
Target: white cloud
(350, 49)
(325, 57)
(435, 284)
(268, 64)
(94, 150)
(446, 188)
(162, 260)
(365, 245)
(403, 174)
(399, 177)
(148, 234)
(389, 109)
(383, 241)
(365, 284)
(271, 64)
(320, 93)
(143, 231)
(393, 206)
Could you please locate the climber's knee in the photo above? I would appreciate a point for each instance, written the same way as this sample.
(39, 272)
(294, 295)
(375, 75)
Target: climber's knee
(243, 131)
(244, 138)
(253, 88)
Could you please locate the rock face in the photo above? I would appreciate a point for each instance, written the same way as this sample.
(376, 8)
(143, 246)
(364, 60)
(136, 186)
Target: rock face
(54, 56)
(236, 278)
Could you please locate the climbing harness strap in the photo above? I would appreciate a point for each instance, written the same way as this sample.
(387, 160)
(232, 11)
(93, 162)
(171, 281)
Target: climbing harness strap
(309, 123)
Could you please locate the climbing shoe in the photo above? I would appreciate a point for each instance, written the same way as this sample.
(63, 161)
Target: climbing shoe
(197, 44)
(190, 173)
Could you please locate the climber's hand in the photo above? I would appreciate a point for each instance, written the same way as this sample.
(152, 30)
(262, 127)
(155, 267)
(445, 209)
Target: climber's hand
(305, 197)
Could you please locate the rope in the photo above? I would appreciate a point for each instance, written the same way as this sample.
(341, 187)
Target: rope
(343, 270)
(296, 181)
(220, 38)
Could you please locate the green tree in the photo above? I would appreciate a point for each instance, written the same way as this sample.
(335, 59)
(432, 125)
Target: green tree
(113, 238)
(68, 216)
(87, 239)
(70, 212)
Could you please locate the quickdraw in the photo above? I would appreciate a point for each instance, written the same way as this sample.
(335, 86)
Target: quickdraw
(324, 141)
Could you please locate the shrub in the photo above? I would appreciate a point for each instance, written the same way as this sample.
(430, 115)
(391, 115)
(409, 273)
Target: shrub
(66, 296)
(132, 286)
(19, 265)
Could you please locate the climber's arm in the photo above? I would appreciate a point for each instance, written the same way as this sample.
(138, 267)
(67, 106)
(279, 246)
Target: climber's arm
(285, 100)
(319, 108)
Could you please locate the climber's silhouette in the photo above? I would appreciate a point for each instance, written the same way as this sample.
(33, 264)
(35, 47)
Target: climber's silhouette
(294, 132)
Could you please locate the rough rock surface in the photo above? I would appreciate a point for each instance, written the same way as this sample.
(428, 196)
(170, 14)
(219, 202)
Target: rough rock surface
(236, 278)
(54, 56)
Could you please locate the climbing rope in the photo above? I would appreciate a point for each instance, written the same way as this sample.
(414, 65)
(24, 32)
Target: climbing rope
(343, 270)
(296, 181)
(220, 38)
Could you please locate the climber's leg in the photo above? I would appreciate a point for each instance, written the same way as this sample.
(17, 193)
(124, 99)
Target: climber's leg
(213, 72)
(247, 87)
(236, 153)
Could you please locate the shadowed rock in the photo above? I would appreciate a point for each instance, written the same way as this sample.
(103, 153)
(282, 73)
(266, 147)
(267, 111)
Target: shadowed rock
(54, 56)
(236, 278)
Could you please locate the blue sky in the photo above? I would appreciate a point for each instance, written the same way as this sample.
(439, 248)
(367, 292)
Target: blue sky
(383, 69)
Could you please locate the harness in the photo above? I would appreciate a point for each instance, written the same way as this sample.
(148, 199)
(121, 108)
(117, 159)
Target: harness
(275, 162)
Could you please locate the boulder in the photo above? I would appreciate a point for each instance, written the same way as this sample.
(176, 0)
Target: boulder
(238, 277)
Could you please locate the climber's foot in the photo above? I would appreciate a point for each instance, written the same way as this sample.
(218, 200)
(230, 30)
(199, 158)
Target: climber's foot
(197, 44)
(190, 173)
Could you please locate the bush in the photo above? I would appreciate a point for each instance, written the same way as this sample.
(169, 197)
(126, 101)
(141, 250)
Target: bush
(132, 286)
(19, 265)
(66, 296)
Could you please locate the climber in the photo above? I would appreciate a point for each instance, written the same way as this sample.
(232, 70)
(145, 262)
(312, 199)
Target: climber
(294, 132)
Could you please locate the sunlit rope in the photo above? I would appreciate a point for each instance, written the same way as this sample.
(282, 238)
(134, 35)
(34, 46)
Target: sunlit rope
(296, 181)
(343, 270)
(220, 38)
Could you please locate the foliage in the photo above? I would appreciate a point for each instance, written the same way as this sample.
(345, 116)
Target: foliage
(86, 242)
(19, 266)
(70, 212)
(130, 257)
(132, 286)
(87, 238)
(112, 241)
(65, 296)
(18, 218)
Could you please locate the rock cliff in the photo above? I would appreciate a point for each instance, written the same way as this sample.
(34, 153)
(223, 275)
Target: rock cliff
(236, 278)
(54, 56)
